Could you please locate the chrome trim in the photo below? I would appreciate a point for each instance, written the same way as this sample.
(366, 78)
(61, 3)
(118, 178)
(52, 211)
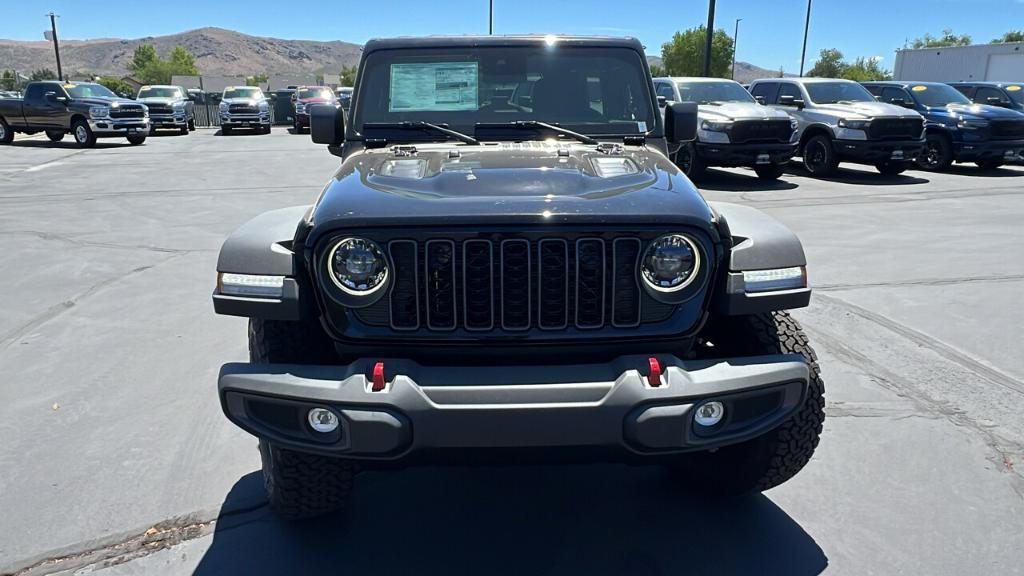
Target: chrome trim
(636, 279)
(540, 283)
(415, 283)
(529, 268)
(346, 289)
(490, 283)
(694, 245)
(426, 278)
(604, 279)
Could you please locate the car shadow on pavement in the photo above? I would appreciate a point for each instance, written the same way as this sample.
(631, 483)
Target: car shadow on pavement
(594, 520)
(69, 144)
(241, 132)
(865, 177)
(970, 170)
(720, 181)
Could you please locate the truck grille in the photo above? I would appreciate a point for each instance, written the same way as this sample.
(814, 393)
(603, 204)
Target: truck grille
(515, 284)
(755, 131)
(242, 109)
(127, 111)
(896, 128)
(1007, 129)
(159, 109)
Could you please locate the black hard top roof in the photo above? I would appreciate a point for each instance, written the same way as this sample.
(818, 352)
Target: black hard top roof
(486, 41)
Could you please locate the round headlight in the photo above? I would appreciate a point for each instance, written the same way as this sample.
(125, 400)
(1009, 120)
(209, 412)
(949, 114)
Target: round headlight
(671, 263)
(357, 266)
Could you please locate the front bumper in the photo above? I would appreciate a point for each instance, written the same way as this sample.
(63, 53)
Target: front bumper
(1008, 150)
(875, 151)
(423, 409)
(750, 155)
(245, 120)
(118, 126)
(168, 121)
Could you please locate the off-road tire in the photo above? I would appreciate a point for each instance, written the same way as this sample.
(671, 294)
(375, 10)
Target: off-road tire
(225, 130)
(989, 164)
(891, 168)
(300, 485)
(6, 134)
(83, 134)
(775, 457)
(281, 342)
(136, 139)
(769, 172)
(818, 156)
(938, 153)
(55, 135)
(690, 162)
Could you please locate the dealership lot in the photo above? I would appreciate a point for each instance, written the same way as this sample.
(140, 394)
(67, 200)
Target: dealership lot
(115, 455)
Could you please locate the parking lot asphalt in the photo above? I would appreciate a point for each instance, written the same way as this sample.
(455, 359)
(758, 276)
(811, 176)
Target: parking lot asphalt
(115, 457)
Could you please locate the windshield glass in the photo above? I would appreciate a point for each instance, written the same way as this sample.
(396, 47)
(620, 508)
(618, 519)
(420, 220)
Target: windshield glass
(591, 90)
(1016, 92)
(832, 92)
(707, 92)
(89, 91)
(151, 92)
(243, 93)
(324, 93)
(937, 95)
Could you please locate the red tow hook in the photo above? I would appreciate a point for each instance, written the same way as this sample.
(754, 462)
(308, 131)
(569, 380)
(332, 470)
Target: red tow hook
(654, 376)
(378, 377)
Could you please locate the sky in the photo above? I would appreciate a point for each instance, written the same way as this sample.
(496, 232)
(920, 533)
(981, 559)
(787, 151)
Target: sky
(770, 34)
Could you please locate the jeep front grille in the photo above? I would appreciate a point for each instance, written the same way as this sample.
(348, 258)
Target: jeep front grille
(761, 131)
(515, 284)
(896, 128)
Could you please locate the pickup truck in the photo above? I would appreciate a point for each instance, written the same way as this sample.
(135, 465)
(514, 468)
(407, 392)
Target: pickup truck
(85, 110)
(169, 107)
(244, 107)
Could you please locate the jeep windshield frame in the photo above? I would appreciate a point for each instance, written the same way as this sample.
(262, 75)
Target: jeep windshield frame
(601, 91)
(838, 92)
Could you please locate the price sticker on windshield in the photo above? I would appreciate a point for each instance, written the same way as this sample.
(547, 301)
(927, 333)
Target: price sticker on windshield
(434, 87)
(1013, 88)
(919, 88)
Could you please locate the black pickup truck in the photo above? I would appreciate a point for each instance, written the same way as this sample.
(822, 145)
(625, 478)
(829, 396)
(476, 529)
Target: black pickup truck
(87, 111)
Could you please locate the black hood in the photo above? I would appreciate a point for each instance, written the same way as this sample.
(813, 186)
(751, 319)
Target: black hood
(531, 183)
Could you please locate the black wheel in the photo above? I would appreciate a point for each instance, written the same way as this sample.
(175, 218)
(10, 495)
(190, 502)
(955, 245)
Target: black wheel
(938, 153)
(989, 164)
(191, 124)
(819, 157)
(83, 134)
(690, 162)
(184, 130)
(295, 126)
(55, 135)
(298, 485)
(225, 130)
(775, 457)
(136, 139)
(6, 135)
(769, 172)
(265, 129)
(891, 168)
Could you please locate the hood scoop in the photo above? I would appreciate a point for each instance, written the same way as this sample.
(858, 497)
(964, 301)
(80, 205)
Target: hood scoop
(612, 167)
(407, 168)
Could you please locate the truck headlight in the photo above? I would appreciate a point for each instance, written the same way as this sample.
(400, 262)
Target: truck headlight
(223, 106)
(793, 124)
(357, 266)
(715, 126)
(671, 263)
(972, 123)
(264, 106)
(300, 108)
(854, 124)
(99, 112)
(178, 105)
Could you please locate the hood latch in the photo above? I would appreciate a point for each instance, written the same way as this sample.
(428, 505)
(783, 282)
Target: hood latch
(403, 150)
(609, 148)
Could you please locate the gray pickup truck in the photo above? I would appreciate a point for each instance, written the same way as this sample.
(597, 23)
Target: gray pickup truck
(840, 121)
(733, 130)
(244, 107)
(85, 110)
(169, 107)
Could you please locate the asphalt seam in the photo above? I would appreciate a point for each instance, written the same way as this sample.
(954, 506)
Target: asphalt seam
(921, 282)
(78, 242)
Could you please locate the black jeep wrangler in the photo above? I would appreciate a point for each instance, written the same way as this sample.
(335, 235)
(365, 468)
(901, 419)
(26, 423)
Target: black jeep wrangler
(485, 281)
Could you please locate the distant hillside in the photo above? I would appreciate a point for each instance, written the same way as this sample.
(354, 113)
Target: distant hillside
(217, 51)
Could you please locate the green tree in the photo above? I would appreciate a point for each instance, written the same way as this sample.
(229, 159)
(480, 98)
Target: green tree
(829, 65)
(257, 79)
(865, 70)
(116, 85)
(43, 74)
(8, 81)
(147, 66)
(684, 54)
(182, 63)
(143, 60)
(1011, 36)
(348, 75)
(657, 71)
(948, 38)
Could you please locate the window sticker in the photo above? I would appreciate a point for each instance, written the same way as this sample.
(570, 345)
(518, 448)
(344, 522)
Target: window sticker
(434, 87)
(919, 88)
(1013, 88)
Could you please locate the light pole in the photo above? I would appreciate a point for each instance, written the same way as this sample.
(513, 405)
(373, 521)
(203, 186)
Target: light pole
(735, 42)
(708, 34)
(56, 46)
(807, 26)
(490, 20)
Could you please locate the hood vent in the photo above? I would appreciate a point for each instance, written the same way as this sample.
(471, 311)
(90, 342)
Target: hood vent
(411, 168)
(610, 167)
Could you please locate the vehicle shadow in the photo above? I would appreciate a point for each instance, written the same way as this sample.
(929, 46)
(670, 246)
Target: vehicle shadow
(721, 181)
(865, 177)
(69, 144)
(594, 520)
(1006, 171)
(241, 132)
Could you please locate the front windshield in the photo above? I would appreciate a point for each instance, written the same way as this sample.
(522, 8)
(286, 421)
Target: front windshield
(833, 92)
(89, 91)
(325, 93)
(590, 90)
(255, 93)
(708, 92)
(151, 92)
(937, 95)
(1016, 92)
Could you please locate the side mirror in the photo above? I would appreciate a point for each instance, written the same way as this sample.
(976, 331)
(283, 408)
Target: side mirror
(997, 101)
(760, 100)
(326, 124)
(681, 121)
(51, 97)
(787, 100)
(662, 101)
(898, 101)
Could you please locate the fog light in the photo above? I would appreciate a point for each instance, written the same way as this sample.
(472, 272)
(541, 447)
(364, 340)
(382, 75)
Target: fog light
(709, 413)
(323, 420)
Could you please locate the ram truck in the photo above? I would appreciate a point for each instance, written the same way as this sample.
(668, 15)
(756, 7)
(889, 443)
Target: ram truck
(734, 129)
(1002, 94)
(306, 97)
(958, 130)
(840, 121)
(85, 110)
(244, 107)
(484, 281)
(169, 107)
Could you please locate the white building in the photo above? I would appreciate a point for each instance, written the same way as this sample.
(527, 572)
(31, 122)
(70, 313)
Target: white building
(992, 62)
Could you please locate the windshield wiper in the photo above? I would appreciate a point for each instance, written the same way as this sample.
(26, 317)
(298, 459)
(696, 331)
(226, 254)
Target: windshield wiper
(420, 125)
(533, 124)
